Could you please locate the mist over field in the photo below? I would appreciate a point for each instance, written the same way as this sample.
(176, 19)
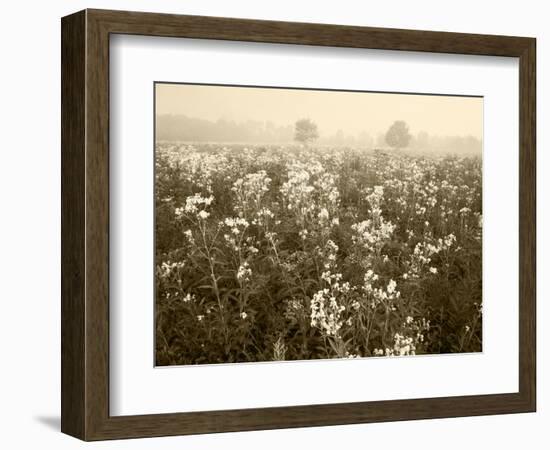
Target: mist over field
(229, 114)
(182, 128)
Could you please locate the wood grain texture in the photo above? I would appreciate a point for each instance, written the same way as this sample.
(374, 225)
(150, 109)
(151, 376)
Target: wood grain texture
(85, 224)
(73, 111)
(152, 24)
(527, 224)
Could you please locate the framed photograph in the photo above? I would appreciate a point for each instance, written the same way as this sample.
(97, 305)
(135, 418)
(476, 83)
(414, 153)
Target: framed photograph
(273, 225)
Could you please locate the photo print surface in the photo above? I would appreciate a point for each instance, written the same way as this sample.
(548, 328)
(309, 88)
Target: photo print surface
(299, 224)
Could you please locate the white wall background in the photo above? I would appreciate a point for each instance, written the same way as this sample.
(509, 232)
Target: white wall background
(30, 221)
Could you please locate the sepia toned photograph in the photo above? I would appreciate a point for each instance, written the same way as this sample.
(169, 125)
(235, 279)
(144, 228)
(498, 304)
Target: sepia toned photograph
(303, 224)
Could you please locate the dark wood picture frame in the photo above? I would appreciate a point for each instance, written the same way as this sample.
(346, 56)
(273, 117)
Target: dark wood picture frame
(85, 224)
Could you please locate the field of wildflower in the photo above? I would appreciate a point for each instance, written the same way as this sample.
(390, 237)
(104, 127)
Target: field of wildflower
(269, 253)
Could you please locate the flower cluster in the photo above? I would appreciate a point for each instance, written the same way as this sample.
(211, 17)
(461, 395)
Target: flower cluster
(244, 272)
(249, 192)
(372, 235)
(375, 296)
(298, 192)
(168, 268)
(195, 205)
(326, 313)
(423, 253)
(406, 341)
(328, 304)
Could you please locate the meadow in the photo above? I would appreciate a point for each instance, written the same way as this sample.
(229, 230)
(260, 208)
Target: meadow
(272, 253)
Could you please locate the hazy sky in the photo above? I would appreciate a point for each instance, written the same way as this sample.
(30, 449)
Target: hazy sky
(352, 112)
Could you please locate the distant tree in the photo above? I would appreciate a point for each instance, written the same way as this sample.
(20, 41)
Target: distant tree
(398, 135)
(305, 131)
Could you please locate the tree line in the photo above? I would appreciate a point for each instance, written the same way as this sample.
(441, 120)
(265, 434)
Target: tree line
(305, 131)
